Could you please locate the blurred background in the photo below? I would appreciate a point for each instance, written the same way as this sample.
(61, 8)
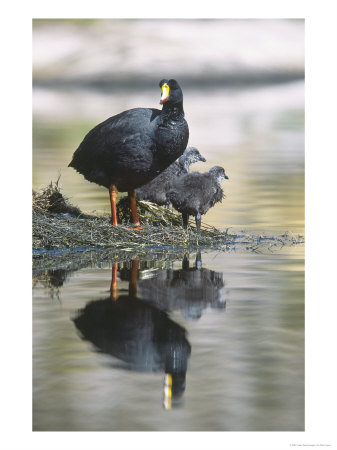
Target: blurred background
(243, 85)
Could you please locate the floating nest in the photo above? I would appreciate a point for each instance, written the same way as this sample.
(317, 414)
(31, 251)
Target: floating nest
(57, 224)
(51, 200)
(63, 233)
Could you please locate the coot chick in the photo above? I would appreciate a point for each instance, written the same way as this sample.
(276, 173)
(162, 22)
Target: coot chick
(156, 190)
(194, 193)
(190, 289)
(128, 150)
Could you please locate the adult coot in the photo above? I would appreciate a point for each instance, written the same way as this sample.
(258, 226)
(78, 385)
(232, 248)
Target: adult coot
(156, 190)
(130, 149)
(194, 193)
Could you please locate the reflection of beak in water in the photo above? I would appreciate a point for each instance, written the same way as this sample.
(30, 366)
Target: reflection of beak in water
(137, 333)
(174, 387)
(167, 391)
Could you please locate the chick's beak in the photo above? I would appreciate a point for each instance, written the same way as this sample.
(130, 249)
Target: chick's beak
(165, 90)
(226, 177)
(201, 158)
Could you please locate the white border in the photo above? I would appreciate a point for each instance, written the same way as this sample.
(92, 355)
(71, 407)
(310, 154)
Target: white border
(321, 149)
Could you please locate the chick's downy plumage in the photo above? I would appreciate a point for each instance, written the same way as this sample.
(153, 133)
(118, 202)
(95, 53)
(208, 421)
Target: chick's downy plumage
(156, 190)
(195, 193)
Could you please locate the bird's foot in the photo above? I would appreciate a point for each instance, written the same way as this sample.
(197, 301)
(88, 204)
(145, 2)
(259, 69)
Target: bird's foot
(136, 227)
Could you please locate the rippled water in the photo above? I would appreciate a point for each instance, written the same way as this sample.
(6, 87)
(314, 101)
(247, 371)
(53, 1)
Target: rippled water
(231, 332)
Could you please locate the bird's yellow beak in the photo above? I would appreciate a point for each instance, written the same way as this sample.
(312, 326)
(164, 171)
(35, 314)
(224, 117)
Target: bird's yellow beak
(165, 91)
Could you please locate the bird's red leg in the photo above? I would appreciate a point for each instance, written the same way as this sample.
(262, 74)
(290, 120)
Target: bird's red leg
(133, 206)
(114, 288)
(113, 197)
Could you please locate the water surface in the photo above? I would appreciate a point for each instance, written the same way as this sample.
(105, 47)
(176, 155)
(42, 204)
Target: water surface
(228, 326)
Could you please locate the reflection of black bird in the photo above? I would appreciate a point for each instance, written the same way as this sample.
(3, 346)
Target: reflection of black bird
(130, 149)
(195, 193)
(190, 289)
(135, 332)
(156, 190)
(139, 334)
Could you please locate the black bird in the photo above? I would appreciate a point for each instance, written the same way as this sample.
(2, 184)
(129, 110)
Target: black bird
(195, 193)
(128, 150)
(156, 190)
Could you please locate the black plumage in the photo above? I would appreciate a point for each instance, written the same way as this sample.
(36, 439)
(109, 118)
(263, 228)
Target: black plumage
(128, 150)
(195, 193)
(156, 190)
(136, 332)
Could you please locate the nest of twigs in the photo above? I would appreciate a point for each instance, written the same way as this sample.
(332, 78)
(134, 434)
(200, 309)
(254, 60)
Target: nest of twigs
(148, 213)
(59, 225)
(50, 199)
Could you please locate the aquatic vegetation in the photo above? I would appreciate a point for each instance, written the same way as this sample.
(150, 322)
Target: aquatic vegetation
(59, 226)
